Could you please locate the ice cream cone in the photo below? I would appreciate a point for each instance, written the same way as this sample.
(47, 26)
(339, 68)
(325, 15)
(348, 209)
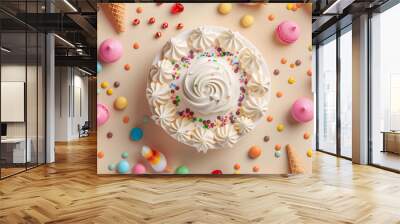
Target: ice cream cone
(295, 166)
(115, 13)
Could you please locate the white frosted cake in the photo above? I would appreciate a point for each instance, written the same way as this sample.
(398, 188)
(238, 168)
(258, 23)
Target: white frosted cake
(208, 87)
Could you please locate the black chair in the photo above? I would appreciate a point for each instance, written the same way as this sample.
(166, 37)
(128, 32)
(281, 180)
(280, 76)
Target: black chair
(84, 130)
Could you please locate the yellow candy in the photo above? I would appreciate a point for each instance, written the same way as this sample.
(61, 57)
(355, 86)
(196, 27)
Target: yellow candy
(247, 21)
(236, 172)
(309, 153)
(109, 92)
(120, 103)
(104, 85)
(309, 48)
(289, 6)
(291, 80)
(280, 127)
(225, 8)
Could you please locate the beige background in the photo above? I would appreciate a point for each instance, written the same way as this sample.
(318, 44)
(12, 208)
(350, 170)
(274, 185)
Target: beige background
(133, 83)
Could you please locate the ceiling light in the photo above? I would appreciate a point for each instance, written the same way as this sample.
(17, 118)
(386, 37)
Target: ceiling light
(65, 41)
(70, 5)
(5, 49)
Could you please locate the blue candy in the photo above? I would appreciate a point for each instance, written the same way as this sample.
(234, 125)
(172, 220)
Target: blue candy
(123, 166)
(99, 68)
(136, 134)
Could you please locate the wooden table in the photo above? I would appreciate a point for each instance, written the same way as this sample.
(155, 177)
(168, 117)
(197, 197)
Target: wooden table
(391, 141)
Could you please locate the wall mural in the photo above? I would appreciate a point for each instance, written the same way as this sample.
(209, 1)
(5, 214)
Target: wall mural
(204, 88)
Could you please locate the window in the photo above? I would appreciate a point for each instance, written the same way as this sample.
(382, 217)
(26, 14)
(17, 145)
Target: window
(385, 89)
(346, 94)
(327, 97)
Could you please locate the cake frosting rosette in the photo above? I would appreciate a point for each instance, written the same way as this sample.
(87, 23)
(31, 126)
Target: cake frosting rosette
(208, 87)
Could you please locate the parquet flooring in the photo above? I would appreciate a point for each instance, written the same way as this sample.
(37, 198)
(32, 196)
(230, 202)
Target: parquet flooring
(69, 191)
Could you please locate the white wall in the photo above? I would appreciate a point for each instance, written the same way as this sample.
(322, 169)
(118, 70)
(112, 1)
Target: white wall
(70, 83)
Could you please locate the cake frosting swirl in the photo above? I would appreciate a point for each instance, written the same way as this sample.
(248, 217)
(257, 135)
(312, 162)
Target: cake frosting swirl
(174, 49)
(226, 136)
(230, 41)
(162, 71)
(208, 88)
(201, 39)
(157, 93)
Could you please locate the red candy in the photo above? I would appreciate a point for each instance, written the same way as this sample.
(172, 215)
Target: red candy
(216, 172)
(157, 35)
(136, 22)
(152, 20)
(177, 8)
(164, 25)
(179, 26)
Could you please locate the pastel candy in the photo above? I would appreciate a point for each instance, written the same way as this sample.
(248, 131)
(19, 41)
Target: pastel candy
(156, 159)
(110, 51)
(123, 166)
(287, 32)
(303, 110)
(139, 169)
(99, 68)
(102, 114)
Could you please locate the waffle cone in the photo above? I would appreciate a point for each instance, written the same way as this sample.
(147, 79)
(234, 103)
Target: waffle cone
(295, 166)
(115, 13)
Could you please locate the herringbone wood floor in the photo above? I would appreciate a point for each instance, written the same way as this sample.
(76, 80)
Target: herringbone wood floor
(69, 191)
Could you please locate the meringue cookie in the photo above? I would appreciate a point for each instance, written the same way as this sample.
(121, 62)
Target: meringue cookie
(174, 49)
(243, 125)
(229, 41)
(249, 61)
(157, 94)
(162, 71)
(255, 107)
(259, 83)
(226, 136)
(202, 139)
(199, 39)
(181, 129)
(164, 115)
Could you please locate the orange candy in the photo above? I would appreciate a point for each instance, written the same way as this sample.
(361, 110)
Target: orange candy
(271, 17)
(292, 65)
(270, 118)
(278, 147)
(236, 166)
(127, 67)
(309, 72)
(283, 60)
(139, 10)
(256, 168)
(254, 152)
(306, 135)
(125, 119)
(136, 45)
(279, 94)
(100, 154)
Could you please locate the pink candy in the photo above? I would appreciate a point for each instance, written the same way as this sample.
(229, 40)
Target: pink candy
(110, 51)
(287, 32)
(303, 110)
(139, 169)
(102, 114)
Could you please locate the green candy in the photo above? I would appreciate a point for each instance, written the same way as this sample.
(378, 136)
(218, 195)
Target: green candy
(182, 170)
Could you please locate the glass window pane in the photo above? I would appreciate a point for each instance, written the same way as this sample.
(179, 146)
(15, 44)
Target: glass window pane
(346, 93)
(385, 83)
(327, 97)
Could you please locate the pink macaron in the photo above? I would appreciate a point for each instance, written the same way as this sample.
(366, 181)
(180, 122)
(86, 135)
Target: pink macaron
(303, 110)
(110, 51)
(287, 32)
(102, 114)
